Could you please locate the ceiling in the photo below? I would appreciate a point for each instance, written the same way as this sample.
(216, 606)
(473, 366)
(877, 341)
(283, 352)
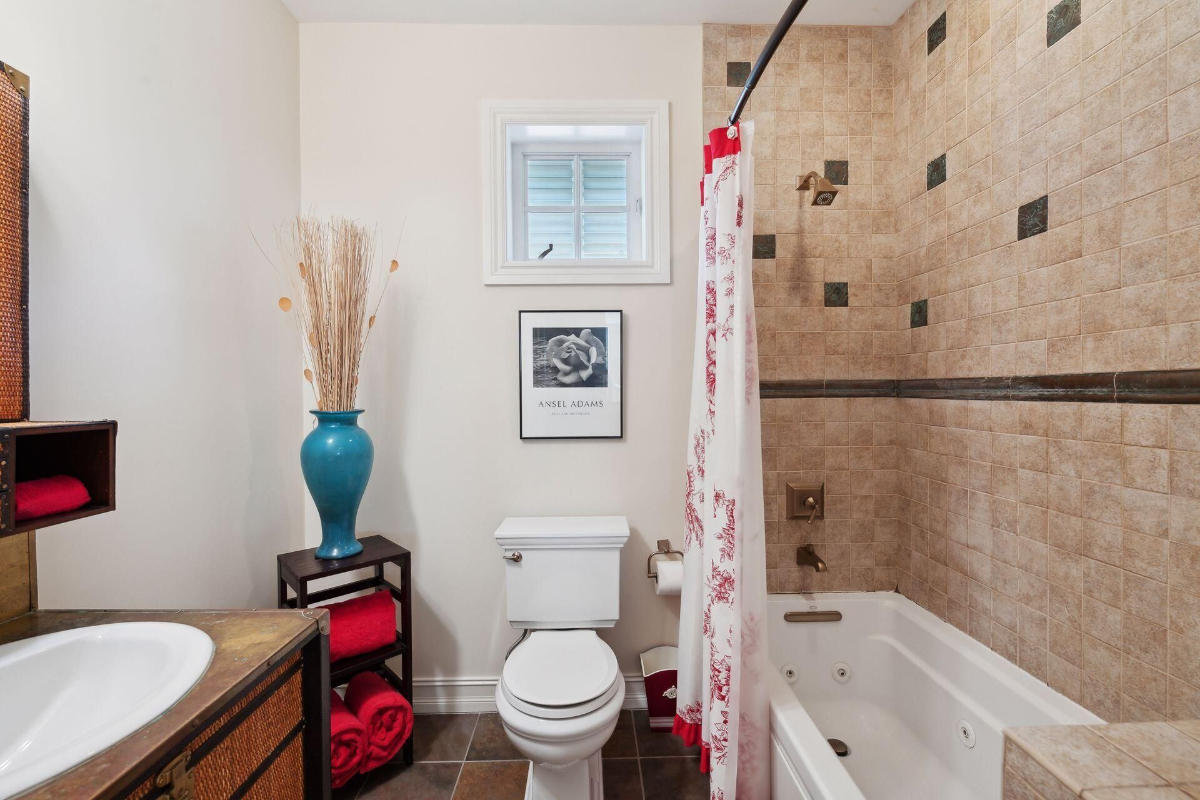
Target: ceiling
(596, 12)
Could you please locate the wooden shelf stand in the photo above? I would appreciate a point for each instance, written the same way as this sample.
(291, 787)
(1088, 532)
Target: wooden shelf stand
(299, 568)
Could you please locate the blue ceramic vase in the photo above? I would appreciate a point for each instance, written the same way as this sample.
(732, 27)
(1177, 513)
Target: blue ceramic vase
(336, 459)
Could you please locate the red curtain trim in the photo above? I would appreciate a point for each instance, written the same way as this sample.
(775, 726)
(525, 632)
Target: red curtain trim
(722, 145)
(719, 146)
(690, 733)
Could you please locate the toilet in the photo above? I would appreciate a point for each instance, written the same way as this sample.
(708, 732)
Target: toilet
(560, 692)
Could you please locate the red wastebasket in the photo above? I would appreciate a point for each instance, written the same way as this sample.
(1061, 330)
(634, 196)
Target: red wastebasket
(659, 667)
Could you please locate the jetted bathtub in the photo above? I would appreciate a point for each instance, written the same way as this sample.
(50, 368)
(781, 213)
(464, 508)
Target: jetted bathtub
(920, 704)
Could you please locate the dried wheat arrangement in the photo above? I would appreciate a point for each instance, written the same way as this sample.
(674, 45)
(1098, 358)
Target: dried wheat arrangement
(330, 301)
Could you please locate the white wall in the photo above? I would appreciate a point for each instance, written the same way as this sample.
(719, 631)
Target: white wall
(390, 133)
(162, 132)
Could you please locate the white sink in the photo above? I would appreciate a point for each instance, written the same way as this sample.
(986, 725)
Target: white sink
(66, 696)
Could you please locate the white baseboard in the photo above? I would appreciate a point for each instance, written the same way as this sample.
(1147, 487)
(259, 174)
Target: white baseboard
(475, 695)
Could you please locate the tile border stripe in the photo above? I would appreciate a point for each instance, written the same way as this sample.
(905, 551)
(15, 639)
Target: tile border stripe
(1151, 386)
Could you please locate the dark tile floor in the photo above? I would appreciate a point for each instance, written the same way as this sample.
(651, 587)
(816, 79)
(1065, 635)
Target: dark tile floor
(469, 757)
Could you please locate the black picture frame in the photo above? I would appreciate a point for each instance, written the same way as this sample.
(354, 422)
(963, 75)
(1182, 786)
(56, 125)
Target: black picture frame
(524, 374)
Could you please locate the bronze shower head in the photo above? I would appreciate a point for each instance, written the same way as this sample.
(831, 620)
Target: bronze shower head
(823, 190)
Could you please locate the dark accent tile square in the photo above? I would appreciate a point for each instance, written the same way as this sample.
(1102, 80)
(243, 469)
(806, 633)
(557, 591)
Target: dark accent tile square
(838, 172)
(935, 172)
(1033, 218)
(676, 778)
(653, 744)
(491, 743)
(918, 314)
(837, 295)
(1061, 20)
(936, 34)
(764, 245)
(622, 743)
(622, 779)
(492, 780)
(429, 781)
(442, 737)
(737, 73)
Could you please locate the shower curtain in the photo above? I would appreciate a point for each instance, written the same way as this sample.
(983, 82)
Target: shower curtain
(722, 695)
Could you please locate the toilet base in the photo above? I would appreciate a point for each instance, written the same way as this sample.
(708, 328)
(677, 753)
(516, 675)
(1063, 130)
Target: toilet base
(582, 780)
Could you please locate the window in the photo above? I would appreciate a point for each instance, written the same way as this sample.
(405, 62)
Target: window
(576, 194)
(577, 206)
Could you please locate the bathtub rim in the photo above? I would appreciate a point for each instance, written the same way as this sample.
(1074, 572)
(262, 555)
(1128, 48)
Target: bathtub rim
(1063, 709)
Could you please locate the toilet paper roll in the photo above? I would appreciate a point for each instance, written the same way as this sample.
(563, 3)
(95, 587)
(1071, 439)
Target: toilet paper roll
(670, 577)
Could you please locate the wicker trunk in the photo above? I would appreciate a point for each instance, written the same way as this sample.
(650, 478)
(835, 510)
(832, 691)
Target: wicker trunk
(255, 749)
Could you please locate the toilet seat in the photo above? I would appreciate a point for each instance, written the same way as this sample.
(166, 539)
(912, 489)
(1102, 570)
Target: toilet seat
(560, 674)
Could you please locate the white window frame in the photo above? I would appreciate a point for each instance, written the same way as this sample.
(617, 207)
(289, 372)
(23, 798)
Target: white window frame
(577, 153)
(502, 178)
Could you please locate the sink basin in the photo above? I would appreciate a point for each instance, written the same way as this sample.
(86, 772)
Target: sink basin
(66, 696)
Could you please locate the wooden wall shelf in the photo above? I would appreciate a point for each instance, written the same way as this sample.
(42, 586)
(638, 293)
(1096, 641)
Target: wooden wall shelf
(83, 450)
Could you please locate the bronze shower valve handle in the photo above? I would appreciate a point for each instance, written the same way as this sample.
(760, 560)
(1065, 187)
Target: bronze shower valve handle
(811, 502)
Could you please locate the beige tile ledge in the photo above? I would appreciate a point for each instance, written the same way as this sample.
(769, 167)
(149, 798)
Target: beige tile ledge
(1124, 761)
(1137, 793)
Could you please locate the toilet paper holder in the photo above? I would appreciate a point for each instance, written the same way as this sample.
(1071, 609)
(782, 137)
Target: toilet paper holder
(664, 549)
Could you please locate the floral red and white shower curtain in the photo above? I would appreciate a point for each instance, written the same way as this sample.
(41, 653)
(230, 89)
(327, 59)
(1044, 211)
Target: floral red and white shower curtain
(722, 689)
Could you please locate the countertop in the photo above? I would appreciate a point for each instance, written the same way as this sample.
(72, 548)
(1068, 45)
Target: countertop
(248, 644)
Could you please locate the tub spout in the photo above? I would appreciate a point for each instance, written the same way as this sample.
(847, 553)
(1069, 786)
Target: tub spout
(806, 556)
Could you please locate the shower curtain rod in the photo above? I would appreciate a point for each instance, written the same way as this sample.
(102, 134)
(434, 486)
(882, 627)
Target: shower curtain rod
(764, 58)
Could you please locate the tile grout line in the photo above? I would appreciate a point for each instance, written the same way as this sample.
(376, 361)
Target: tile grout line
(638, 752)
(471, 741)
(462, 765)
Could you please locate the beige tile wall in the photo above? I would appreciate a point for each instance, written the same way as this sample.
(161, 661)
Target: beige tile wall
(1106, 123)
(826, 96)
(1064, 536)
(849, 445)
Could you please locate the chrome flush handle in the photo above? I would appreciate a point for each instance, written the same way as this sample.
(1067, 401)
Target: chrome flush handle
(514, 557)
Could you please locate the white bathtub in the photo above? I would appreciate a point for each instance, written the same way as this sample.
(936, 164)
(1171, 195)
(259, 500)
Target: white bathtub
(912, 681)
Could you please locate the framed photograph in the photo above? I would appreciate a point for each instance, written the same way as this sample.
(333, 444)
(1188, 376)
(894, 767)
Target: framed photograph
(570, 374)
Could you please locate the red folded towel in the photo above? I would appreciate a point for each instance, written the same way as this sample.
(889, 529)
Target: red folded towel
(384, 712)
(46, 496)
(361, 624)
(347, 739)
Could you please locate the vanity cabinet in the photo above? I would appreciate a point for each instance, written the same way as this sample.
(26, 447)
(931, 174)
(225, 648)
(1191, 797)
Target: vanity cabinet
(254, 727)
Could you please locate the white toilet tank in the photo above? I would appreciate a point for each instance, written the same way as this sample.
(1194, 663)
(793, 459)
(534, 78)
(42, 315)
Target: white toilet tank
(569, 571)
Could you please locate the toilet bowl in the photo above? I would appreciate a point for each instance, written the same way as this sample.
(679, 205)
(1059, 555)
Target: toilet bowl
(559, 698)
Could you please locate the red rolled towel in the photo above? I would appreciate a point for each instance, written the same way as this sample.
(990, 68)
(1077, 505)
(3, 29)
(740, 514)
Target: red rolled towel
(361, 624)
(347, 739)
(46, 496)
(384, 712)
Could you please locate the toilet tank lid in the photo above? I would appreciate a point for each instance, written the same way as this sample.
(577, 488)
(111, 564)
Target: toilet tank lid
(559, 531)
